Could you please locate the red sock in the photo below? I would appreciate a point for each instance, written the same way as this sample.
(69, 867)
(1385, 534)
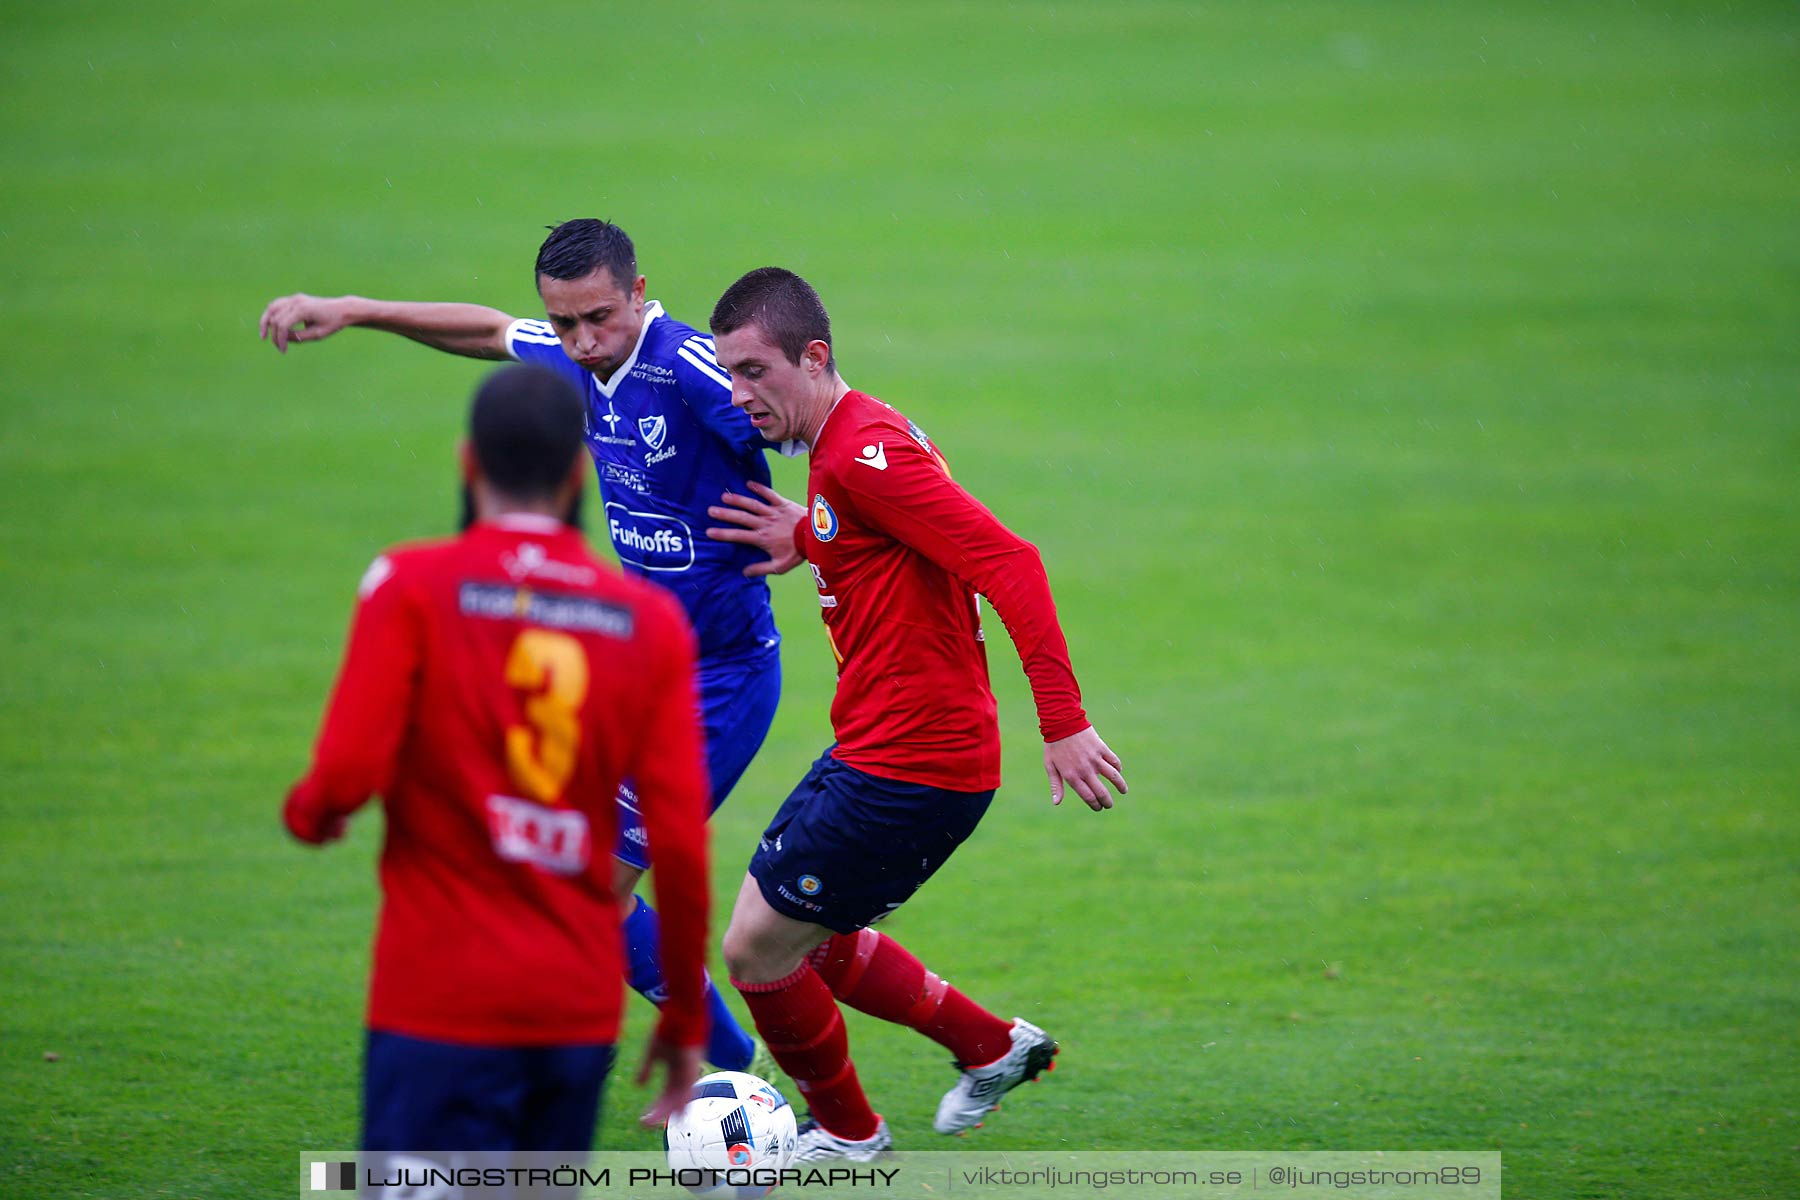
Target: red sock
(801, 1025)
(873, 973)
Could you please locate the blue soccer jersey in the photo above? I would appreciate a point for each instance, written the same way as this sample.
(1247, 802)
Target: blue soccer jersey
(666, 442)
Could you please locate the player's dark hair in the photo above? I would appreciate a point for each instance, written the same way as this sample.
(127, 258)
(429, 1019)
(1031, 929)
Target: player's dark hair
(526, 429)
(576, 249)
(780, 303)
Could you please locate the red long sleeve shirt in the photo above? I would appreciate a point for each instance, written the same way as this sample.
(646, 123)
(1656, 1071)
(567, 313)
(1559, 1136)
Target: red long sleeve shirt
(495, 690)
(899, 551)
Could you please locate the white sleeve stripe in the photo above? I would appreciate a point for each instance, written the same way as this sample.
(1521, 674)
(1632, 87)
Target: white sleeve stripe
(713, 373)
(703, 347)
(529, 332)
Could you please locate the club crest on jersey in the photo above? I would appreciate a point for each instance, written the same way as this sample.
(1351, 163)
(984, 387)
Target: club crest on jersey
(653, 430)
(824, 521)
(810, 885)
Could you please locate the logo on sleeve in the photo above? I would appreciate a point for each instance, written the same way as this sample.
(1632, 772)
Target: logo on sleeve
(824, 521)
(377, 574)
(874, 456)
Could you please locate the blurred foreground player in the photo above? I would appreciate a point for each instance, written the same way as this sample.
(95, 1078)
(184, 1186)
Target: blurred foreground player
(899, 553)
(496, 688)
(665, 441)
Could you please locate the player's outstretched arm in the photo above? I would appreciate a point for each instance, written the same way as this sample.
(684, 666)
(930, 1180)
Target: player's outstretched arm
(471, 330)
(1086, 764)
(766, 520)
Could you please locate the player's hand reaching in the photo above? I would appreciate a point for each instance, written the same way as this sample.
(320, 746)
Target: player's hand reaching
(303, 318)
(1086, 764)
(682, 1068)
(766, 521)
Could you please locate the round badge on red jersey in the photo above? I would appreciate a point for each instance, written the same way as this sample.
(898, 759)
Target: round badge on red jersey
(824, 521)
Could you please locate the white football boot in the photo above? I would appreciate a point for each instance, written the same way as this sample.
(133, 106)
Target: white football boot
(817, 1143)
(979, 1090)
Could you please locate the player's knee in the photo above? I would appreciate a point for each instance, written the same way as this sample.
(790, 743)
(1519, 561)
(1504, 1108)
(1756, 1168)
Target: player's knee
(759, 955)
(742, 958)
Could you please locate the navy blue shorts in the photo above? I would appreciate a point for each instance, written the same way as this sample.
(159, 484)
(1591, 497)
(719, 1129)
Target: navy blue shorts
(847, 848)
(737, 706)
(425, 1095)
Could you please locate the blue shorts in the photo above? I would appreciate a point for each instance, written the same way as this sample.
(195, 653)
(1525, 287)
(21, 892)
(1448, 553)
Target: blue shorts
(426, 1095)
(737, 706)
(847, 848)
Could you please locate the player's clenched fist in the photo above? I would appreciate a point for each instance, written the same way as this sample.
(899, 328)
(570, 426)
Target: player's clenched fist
(303, 318)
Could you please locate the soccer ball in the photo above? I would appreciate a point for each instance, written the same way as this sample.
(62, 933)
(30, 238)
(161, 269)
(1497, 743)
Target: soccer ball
(735, 1135)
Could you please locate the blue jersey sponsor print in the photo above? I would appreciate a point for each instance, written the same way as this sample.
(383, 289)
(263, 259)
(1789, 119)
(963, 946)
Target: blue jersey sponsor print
(666, 442)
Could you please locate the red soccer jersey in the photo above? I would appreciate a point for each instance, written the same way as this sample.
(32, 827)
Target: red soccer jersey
(899, 551)
(495, 690)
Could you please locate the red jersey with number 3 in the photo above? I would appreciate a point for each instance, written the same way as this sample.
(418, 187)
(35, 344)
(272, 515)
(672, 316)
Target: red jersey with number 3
(899, 551)
(496, 689)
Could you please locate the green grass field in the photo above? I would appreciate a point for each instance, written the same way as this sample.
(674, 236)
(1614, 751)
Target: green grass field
(1406, 398)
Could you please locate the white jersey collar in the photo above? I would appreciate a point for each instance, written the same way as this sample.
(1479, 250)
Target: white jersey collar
(652, 310)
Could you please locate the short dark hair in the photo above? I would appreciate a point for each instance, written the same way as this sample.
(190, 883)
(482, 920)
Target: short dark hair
(526, 429)
(576, 249)
(783, 305)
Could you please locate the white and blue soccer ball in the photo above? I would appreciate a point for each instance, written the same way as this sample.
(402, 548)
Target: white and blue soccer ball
(733, 1138)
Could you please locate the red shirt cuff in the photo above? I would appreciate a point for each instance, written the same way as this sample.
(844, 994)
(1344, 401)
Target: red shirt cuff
(1067, 727)
(682, 1029)
(303, 814)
